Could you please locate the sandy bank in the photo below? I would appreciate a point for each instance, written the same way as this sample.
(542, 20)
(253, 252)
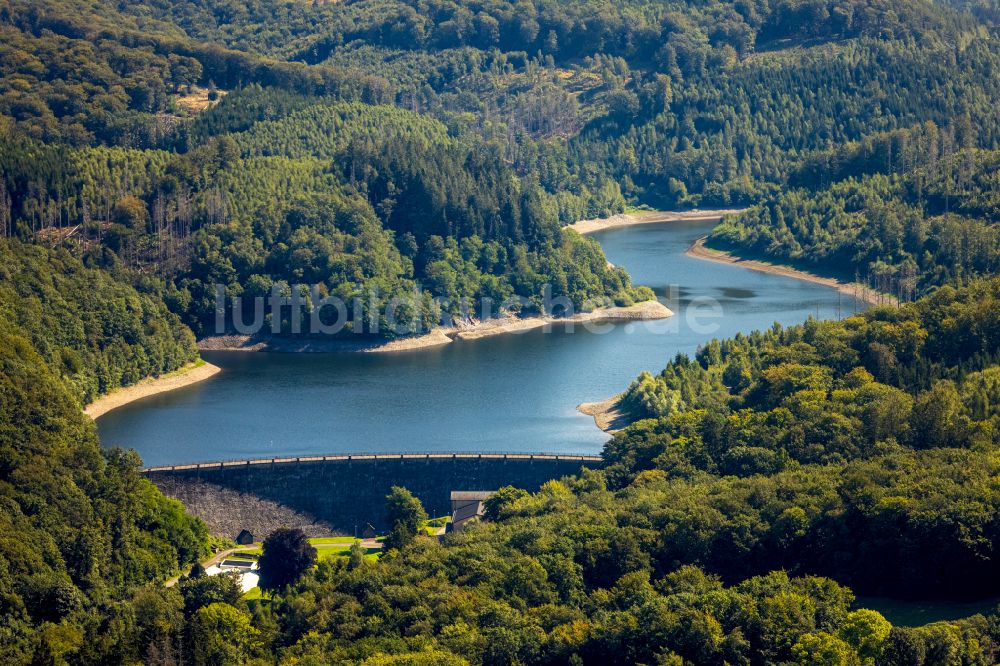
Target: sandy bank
(269, 343)
(189, 374)
(609, 418)
(647, 310)
(651, 217)
(606, 414)
(858, 291)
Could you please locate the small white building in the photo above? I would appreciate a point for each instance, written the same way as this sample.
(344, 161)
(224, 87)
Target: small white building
(246, 569)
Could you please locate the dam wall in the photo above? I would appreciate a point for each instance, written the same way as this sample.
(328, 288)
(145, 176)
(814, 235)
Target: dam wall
(345, 492)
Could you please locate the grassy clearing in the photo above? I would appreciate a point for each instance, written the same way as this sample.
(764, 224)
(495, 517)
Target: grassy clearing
(327, 552)
(326, 548)
(432, 526)
(335, 541)
(197, 100)
(254, 593)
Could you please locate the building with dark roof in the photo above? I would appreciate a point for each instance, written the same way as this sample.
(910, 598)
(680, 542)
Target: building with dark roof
(467, 505)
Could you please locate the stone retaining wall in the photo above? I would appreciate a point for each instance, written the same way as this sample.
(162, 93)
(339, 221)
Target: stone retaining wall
(347, 492)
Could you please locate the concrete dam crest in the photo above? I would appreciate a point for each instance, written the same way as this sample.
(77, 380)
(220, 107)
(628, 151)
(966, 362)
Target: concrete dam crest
(345, 493)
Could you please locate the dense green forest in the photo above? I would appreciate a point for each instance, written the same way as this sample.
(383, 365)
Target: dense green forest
(81, 531)
(899, 209)
(150, 151)
(764, 484)
(95, 332)
(354, 198)
(387, 144)
(887, 403)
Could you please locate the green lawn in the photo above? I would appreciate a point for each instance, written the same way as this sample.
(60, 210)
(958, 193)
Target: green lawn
(323, 541)
(255, 593)
(326, 552)
(326, 548)
(434, 524)
(330, 547)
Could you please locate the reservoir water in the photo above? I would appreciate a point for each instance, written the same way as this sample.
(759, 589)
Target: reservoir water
(507, 393)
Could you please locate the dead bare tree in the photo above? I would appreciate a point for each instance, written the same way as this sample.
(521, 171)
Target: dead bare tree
(6, 211)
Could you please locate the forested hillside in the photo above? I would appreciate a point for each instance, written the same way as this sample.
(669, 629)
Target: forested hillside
(93, 331)
(899, 209)
(906, 398)
(492, 122)
(772, 478)
(80, 530)
(150, 151)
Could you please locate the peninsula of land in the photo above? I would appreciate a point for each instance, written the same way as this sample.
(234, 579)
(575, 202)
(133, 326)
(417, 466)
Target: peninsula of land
(607, 415)
(649, 217)
(474, 330)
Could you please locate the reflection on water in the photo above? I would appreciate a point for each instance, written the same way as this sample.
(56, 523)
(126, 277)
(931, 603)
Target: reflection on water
(509, 393)
(734, 293)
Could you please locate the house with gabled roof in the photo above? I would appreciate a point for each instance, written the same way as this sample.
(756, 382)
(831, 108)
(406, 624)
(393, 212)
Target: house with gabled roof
(466, 506)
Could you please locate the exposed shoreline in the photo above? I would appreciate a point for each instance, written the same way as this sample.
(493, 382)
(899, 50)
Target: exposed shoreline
(698, 250)
(646, 310)
(650, 217)
(269, 343)
(606, 414)
(189, 374)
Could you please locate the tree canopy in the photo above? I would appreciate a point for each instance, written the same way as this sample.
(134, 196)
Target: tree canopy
(152, 151)
(285, 556)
